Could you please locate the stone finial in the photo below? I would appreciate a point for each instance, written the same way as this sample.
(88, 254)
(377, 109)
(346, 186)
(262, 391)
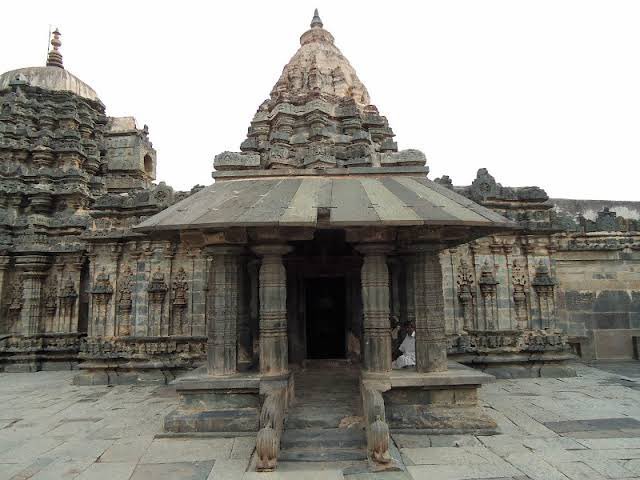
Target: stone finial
(54, 59)
(316, 21)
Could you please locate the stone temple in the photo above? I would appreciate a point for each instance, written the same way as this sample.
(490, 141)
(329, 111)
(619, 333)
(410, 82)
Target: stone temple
(269, 297)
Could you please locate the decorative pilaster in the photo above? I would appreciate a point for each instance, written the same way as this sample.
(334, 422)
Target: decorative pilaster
(5, 262)
(157, 291)
(68, 297)
(431, 340)
(488, 289)
(520, 289)
(101, 293)
(466, 295)
(375, 302)
(222, 311)
(544, 287)
(34, 271)
(179, 303)
(125, 302)
(274, 355)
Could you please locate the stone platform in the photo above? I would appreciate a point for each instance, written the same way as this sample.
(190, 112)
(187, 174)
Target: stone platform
(440, 402)
(228, 404)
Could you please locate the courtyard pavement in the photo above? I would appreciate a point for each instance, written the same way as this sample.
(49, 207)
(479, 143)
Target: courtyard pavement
(580, 428)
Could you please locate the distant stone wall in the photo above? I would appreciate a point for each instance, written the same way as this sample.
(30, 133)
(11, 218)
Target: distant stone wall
(597, 215)
(599, 292)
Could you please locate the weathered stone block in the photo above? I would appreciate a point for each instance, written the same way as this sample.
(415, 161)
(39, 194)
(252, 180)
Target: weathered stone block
(223, 420)
(612, 301)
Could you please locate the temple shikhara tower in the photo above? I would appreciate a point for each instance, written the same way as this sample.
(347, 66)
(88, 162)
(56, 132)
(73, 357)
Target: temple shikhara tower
(273, 297)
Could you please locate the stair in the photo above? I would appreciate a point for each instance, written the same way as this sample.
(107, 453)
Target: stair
(324, 424)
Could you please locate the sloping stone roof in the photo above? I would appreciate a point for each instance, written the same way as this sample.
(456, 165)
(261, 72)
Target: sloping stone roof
(347, 200)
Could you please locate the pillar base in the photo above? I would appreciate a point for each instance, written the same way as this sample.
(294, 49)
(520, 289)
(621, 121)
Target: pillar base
(437, 403)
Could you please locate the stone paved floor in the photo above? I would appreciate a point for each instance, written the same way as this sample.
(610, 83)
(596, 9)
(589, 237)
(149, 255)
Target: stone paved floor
(577, 428)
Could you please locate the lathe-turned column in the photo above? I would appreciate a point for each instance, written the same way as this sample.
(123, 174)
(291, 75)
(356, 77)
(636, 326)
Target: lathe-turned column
(274, 355)
(222, 310)
(375, 303)
(431, 340)
(245, 347)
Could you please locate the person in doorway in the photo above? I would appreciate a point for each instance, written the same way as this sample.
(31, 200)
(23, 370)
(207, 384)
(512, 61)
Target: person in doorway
(395, 336)
(408, 349)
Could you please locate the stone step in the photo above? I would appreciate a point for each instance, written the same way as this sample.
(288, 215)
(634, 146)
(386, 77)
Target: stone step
(323, 455)
(332, 438)
(316, 418)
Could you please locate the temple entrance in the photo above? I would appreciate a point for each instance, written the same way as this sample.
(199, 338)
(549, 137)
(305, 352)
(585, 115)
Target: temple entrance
(326, 317)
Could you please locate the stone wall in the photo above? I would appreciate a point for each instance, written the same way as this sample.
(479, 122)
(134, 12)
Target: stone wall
(599, 292)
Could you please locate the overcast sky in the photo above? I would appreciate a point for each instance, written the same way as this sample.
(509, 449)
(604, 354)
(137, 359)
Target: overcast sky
(541, 93)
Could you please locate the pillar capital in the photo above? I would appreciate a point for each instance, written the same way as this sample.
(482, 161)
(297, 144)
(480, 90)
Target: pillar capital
(235, 250)
(33, 263)
(377, 248)
(272, 249)
(422, 247)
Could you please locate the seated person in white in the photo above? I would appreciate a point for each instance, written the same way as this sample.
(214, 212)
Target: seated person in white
(408, 349)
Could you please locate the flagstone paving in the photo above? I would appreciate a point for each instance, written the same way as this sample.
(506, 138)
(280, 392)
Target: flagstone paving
(585, 428)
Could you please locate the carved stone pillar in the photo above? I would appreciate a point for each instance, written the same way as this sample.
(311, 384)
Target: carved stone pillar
(34, 270)
(431, 340)
(375, 302)
(222, 309)
(410, 311)
(245, 346)
(274, 355)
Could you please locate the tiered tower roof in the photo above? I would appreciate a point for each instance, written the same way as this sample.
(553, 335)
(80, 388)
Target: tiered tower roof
(318, 116)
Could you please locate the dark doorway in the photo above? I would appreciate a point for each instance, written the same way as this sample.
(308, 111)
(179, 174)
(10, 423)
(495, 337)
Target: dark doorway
(325, 315)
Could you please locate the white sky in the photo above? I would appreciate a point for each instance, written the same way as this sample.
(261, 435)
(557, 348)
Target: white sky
(543, 92)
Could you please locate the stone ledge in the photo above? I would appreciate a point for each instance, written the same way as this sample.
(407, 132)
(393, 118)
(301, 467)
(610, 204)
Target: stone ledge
(456, 375)
(199, 379)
